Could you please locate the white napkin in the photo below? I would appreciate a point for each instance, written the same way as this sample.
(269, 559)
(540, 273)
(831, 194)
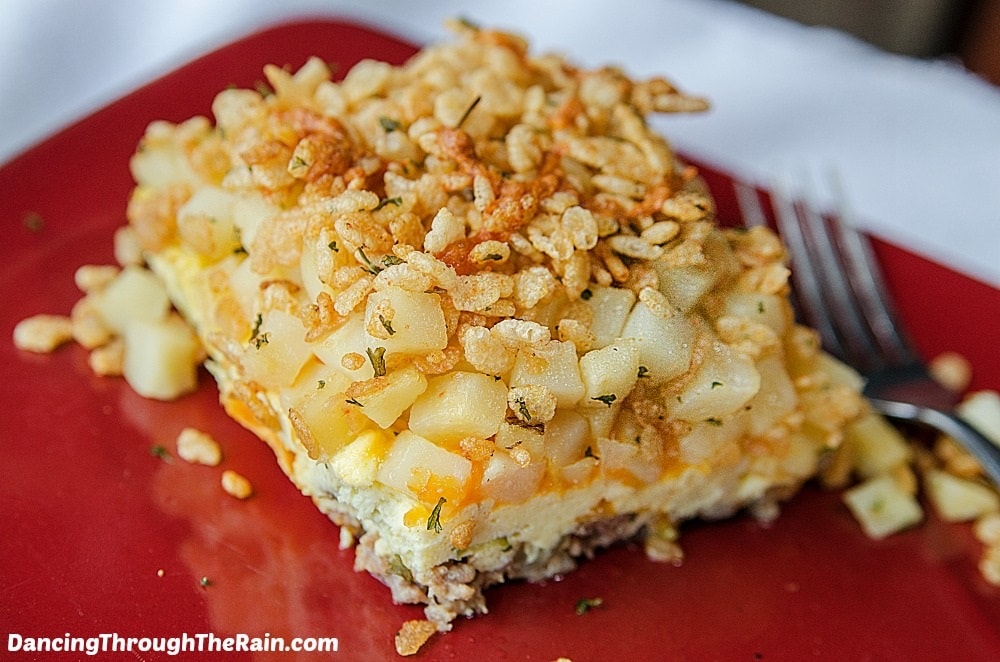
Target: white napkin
(916, 143)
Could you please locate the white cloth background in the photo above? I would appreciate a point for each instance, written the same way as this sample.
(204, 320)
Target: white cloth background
(916, 143)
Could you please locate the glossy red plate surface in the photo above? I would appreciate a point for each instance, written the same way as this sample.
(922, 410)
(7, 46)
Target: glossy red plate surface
(101, 536)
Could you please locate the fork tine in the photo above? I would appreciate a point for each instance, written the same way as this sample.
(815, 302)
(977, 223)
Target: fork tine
(847, 316)
(869, 284)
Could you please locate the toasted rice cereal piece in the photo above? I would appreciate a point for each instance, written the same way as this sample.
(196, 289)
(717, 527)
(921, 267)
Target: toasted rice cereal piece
(236, 484)
(108, 359)
(989, 565)
(532, 403)
(89, 328)
(198, 447)
(987, 529)
(412, 635)
(661, 232)
(533, 284)
(94, 277)
(43, 333)
(127, 250)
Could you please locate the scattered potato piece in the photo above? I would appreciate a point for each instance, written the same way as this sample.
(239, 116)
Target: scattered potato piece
(412, 635)
(877, 445)
(198, 447)
(982, 409)
(43, 333)
(883, 507)
(236, 484)
(959, 499)
(951, 370)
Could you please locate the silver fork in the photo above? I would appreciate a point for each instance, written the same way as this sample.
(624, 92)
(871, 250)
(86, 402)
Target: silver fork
(839, 290)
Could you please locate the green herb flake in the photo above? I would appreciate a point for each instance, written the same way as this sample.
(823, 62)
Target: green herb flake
(384, 202)
(333, 247)
(434, 521)
(256, 327)
(522, 408)
(590, 453)
(377, 357)
(263, 89)
(391, 260)
(496, 257)
(468, 111)
(299, 162)
(713, 421)
(716, 385)
(387, 324)
(397, 567)
(34, 221)
(204, 582)
(760, 307)
(262, 340)
(586, 294)
(373, 269)
(160, 452)
(583, 605)
(606, 399)
(389, 124)
(352, 401)
(643, 372)
(321, 384)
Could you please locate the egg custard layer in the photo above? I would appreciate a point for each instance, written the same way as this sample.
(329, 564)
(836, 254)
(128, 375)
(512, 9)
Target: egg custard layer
(482, 314)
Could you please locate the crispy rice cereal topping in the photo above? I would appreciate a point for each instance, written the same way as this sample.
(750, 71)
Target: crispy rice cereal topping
(476, 279)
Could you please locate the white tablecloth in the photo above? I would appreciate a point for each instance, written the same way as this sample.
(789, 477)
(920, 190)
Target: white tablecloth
(916, 143)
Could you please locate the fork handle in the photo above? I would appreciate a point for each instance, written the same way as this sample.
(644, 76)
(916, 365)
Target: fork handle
(967, 435)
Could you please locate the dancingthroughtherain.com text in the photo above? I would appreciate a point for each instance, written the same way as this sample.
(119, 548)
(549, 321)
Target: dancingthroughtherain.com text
(175, 645)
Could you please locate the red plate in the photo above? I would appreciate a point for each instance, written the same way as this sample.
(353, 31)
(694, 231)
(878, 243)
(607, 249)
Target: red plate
(101, 536)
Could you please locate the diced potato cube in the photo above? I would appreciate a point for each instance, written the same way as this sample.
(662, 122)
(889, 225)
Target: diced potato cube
(348, 338)
(413, 463)
(406, 322)
(776, 397)
(882, 507)
(610, 373)
(982, 409)
(249, 212)
(357, 464)
(135, 294)
(959, 499)
(665, 345)
(330, 420)
(278, 350)
(617, 456)
(391, 395)
(507, 481)
(877, 446)
(555, 366)
(685, 285)
(724, 382)
(458, 405)
(566, 438)
(611, 306)
(768, 309)
(205, 223)
(161, 358)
